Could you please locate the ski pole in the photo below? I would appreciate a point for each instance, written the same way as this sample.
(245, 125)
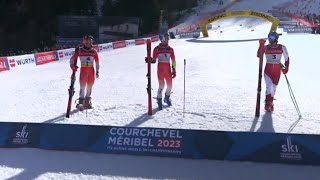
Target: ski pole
(292, 97)
(184, 87)
(86, 112)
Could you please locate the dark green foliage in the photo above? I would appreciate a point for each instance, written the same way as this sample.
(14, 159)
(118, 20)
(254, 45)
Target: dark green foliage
(147, 10)
(35, 22)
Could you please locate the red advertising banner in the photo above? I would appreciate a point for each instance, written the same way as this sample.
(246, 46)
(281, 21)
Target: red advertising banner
(154, 38)
(46, 57)
(139, 41)
(3, 64)
(302, 20)
(119, 44)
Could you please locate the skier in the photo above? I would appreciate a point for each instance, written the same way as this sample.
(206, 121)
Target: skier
(273, 52)
(166, 71)
(88, 56)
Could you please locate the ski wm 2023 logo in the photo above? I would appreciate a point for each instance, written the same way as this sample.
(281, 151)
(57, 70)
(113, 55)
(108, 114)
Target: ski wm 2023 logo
(21, 137)
(290, 151)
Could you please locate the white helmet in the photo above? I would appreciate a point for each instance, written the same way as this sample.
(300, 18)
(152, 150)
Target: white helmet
(164, 38)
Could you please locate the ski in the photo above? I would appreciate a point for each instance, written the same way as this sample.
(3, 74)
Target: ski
(149, 77)
(71, 93)
(260, 56)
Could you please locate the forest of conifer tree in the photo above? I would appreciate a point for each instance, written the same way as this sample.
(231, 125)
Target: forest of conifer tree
(35, 21)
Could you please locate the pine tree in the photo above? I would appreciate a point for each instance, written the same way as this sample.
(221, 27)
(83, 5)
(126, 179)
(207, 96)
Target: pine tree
(92, 7)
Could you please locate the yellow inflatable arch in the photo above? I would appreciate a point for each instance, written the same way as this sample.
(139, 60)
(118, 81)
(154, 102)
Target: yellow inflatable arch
(273, 20)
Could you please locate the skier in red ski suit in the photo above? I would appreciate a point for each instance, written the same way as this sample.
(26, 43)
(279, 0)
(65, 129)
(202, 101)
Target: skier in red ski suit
(88, 56)
(273, 53)
(166, 71)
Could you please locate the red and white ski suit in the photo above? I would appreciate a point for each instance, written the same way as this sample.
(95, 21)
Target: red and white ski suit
(87, 56)
(272, 71)
(163, 52)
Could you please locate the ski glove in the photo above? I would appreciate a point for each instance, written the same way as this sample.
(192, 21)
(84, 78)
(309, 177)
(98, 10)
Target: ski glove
(97, 74)
(284, 69)
(152, 60)
(74, 67)
(262, 42)
(173, 73)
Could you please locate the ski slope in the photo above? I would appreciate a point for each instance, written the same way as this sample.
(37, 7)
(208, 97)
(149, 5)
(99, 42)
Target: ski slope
(257, 5)
(221, 82)
(209, 9)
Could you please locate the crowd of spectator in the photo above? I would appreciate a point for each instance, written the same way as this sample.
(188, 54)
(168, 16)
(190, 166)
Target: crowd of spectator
(308, 9)
(17, 52)
(313, 18)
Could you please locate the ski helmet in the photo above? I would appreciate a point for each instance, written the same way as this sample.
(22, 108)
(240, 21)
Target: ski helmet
(273, 37)
(87, 38)
(164, 38)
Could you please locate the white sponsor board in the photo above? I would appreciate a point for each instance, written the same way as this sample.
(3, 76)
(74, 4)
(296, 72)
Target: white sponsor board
(65, 53)
(105, 47)
(130, 43)
(16, 62)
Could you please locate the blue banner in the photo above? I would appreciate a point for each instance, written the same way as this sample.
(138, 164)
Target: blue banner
(190, 35)
(299, 30)
(161, 142)
(78, 26)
